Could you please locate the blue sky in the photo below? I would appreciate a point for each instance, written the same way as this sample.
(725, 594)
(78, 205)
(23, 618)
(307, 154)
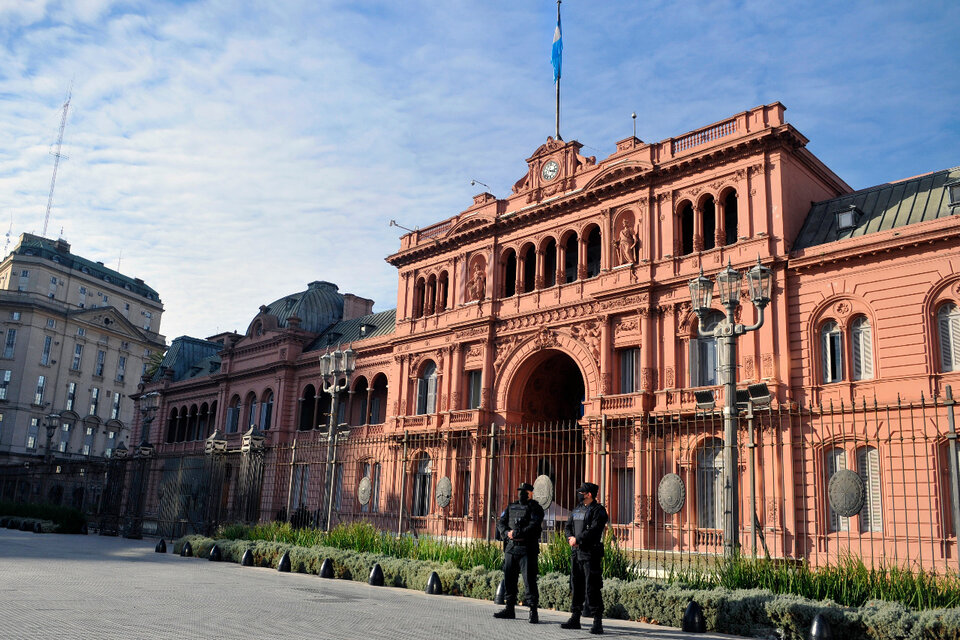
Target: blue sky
(233, 155)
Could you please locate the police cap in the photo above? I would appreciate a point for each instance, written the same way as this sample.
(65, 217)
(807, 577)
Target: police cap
(525, 486)
(589, 487)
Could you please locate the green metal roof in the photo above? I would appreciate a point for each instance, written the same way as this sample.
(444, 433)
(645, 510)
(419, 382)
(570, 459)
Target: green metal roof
(347, 331)
(886, 206)
(319, 307)
(190, 358)
(31, 245)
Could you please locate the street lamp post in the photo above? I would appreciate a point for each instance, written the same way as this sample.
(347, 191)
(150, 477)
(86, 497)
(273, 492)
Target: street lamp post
(52, 423)
(336, 369)
(727, 332)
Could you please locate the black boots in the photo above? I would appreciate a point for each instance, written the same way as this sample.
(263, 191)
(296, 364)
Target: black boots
(507, 613)
(597, 627)
(572, 623)
(534, 617)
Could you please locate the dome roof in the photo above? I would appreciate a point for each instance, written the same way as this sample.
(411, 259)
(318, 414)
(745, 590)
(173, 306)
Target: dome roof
(320, 306)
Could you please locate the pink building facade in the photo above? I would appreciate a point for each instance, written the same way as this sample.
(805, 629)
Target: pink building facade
(566, 304)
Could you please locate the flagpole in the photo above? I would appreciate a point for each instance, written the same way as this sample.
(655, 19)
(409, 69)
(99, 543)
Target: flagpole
(558, 82)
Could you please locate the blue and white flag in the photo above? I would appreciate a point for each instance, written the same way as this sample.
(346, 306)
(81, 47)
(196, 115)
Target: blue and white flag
(557, 50)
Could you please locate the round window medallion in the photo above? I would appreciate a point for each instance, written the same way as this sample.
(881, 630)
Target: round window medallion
(363, 491)
(846, 493)
(543, 491)
(444, 492)
(671, 493)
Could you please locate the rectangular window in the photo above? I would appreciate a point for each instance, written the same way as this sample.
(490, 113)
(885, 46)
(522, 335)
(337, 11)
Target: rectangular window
(121, 368)
(233, 419)
(106, 299)
(115, 409)
(81, 331)
(51, 323)
(45, 355)
(4, 382)
(88, 441)
(146, 321)
(77, 357)
(301, 478)
(94, 400)
(629, 378)
(474, 381)
(832, 356)
(24, 283)
(41, 384)
(464, 492)
(32, 433)
(52, 292)
(15, 315)
(83, 296)
(98, 369)
(71, 395)
(64, 437)
(868, 467)
(9, 347)
(111, 441)
(125, 346)
(624, 496)
(1, 427)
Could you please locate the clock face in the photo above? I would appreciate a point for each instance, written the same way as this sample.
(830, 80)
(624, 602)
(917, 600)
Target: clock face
(550, 170)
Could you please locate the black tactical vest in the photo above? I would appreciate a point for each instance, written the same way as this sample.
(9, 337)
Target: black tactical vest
(517, 513)
(579, 519)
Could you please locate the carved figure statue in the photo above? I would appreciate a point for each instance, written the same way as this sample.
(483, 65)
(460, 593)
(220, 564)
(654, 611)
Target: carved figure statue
(626, 243)
(478, 283)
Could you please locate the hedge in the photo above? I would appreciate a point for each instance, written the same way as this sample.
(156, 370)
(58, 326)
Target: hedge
(66, 519)
(27, 524)
(746, 612)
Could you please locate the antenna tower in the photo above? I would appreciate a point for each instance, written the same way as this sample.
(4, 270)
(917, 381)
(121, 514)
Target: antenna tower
(56, 160)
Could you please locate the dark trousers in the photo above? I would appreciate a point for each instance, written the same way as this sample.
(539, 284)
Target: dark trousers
(513, 565)
(586, 578)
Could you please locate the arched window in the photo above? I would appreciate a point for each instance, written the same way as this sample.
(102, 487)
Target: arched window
(419, 293)
(182, 423)
(686, 229)
(710, 485)
(422, 486)
(709, 223)
(308, 409)
(862, 340)
(172, 425)
(266, 410)
(593, 252)
(251, 412)
(509, 274)
(529, 268)
(550, 263)
(203, 418)
(378, 400)
(948, 324)
(831, 352)
(704, 355)
(443, 284)
(868, 466)
(730, 217)
(570, 258)
(233, 415)
(427, 390)
(192, 424)
(835, 459)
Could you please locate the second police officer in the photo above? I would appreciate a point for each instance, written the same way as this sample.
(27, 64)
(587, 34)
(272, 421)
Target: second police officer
(519, 527)
(584, 532)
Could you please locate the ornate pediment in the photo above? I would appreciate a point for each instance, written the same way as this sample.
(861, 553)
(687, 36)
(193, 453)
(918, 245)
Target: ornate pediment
(618, 172)
(551, 169)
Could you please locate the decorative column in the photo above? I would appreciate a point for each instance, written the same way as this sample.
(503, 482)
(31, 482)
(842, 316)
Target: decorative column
(698, 228)
(518, 286)
(581, 258)
(540, 278)
(561, 263)
(719, 207)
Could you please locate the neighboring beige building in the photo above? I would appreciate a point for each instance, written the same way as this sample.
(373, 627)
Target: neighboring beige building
(74, 339)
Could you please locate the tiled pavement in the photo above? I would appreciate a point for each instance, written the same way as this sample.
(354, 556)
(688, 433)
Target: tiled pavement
(77, 587)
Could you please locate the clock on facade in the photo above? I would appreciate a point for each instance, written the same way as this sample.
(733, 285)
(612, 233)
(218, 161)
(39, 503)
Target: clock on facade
(550, 170)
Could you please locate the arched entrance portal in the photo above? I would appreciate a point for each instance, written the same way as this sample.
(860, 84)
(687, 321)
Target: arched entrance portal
(548, 392)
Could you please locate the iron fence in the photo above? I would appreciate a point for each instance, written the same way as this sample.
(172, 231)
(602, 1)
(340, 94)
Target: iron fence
(816, 484)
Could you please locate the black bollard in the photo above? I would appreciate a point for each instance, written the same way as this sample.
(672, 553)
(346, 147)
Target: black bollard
(26, 525)
(326, 569)
(376, 575)
(247, 559)
(284, 565)
(215, 554)
(693, 620)
(187, 550)
(820, 629)
(500, 596)
(434, 588)
(161, 546)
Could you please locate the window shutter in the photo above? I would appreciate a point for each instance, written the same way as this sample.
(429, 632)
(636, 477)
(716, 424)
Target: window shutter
(948, 336)
(862, 350)
(421, 396)
(836, 460)
(695, 380)
(431, 394)
(954, 338)
(868, 466)
(825, 354)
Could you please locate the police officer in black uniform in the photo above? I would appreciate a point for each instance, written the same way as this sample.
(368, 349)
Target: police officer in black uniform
(519, 527)
(584, 532)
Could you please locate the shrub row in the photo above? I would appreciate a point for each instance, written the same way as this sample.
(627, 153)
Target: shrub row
(27, 524)
(67, 519)
(746, 612)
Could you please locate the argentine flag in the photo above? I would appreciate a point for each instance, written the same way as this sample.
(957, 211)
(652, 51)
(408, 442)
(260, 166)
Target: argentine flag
(557, 50)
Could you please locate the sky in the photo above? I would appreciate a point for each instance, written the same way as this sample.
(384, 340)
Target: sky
(229, 153)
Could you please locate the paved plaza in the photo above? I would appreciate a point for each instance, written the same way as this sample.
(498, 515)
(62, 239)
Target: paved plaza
(54, 586)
